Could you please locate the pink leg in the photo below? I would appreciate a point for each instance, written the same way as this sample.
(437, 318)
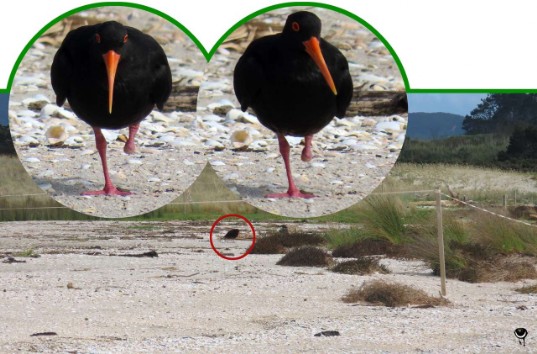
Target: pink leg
(293, 191)
(130, 147)
(307, 155)
(109, 188)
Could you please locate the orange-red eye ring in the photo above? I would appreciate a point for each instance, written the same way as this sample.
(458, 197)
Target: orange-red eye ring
(295, 26)
(125, 38)
(97, 38)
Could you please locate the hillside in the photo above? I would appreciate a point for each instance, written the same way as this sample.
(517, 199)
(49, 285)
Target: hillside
(430, 126)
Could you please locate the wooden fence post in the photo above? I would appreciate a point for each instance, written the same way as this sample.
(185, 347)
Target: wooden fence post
(440, 231)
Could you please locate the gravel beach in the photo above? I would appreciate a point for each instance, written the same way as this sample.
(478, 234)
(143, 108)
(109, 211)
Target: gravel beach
(189, 300)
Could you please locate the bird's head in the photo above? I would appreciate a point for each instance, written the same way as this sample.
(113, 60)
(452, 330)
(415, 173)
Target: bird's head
(305, 27)
(110, 39)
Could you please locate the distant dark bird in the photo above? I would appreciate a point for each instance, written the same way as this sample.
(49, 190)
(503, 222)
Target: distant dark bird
(296, 82)
(113, 76)
(232, 234)
(283, 230)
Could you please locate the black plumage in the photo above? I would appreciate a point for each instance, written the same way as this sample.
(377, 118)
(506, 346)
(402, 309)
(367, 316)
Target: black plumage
(296, 83)
(113, 76)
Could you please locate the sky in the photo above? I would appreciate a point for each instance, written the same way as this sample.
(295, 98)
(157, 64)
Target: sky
(456, 103)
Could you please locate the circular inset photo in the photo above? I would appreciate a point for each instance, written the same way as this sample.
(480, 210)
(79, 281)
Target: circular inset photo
(309, 111)
(101, 111)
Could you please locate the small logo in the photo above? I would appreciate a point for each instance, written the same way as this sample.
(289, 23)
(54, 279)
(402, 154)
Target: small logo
(521, 334)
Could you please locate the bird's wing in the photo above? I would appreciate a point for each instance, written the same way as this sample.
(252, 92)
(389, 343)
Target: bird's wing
(60, 72)
(247, 79)
(344, 97)
(161, 75)
(162, 86)
(342, 77)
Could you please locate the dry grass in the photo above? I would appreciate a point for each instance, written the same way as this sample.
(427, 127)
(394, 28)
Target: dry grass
(360, 266)
(379, 293)
(370, 247)
(306, 256)
(529, 289)
(498, 268)
(280, 243)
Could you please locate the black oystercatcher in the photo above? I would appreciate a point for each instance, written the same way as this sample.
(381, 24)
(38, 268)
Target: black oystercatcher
(296, 82)
(112, 75)
(232, 234)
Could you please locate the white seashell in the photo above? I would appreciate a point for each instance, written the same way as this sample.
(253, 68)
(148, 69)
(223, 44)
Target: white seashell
(370, 165)
(343, 123)
(26, 140)
(389, 126)
(63, 113)
(159, 117)
(87, 152)
(217, 163)
(240, 138)
(189, 73)
(242, 117)
(110, 135)
(49, 110)
(134, 161)
(32, 160)
(213, 143)
(85, 166)
(231, 176)
(29, 123)
(211, 118)
(74, 141)
(214, 85)
(36, 103)
(188, 162)
(368, 122)
(153, 179)
(293, 140)
(56, 134)
(318, 164)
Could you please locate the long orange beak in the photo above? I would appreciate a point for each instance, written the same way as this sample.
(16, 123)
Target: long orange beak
(111, 60)
(313, 48)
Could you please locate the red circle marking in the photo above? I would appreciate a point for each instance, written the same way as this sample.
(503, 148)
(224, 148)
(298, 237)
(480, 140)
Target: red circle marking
(247, 251)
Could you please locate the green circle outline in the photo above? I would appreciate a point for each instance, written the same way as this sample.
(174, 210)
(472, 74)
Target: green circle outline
(207, 54)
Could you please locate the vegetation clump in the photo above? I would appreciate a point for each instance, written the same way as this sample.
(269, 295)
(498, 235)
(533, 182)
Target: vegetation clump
(382, 293)
(360, 266)
(306, 256)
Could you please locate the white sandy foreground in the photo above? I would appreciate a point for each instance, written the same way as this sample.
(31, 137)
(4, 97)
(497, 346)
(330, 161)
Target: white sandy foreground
(190, 300)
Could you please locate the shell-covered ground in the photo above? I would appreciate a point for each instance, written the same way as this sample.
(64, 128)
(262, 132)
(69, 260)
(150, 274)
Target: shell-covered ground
(351, 155)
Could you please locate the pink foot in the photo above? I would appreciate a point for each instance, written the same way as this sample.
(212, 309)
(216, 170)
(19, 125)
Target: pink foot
(108, 191)
(297, 194)
(307, 155)
(130, 146)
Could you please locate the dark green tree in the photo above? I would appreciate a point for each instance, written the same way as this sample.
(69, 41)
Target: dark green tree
(501, 114)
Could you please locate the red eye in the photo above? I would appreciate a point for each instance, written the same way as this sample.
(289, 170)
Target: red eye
(97, 38)
(295, 26)
(125, 38)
